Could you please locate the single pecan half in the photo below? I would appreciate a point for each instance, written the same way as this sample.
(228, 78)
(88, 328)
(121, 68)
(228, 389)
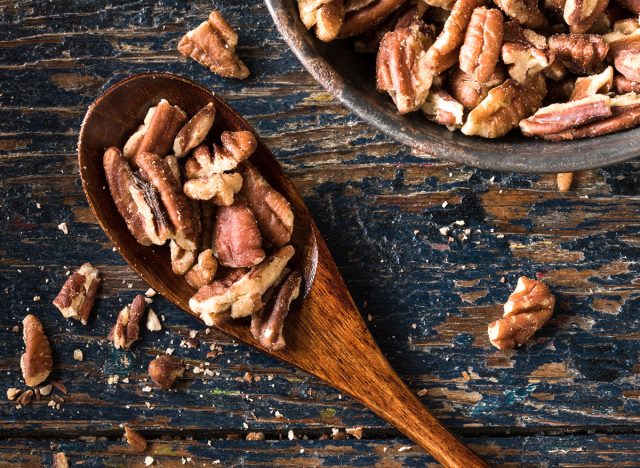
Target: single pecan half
(165, 369)
(526, 311)
(562, 116)
(137, 442)
(580, 53)
(368, 17)
(267, 325)
(194, 131)
(621, 85)
(237, 241)
(161, 130)
(443, 109)
(78, 293)
(36, 362)
(504, 107)
(401, 69)
(480, 51)
(236, 147)
(181, 259)
(137, 201)
(219, 188)
(525, 12)
(213, 44)
(524, 51)
(443, 53)
(593, 84)
(580, 15)
(243, 296)
(326, 15)
(126, 331)
(469, 92)
(203, 272)
(271, 209)
(627, 62)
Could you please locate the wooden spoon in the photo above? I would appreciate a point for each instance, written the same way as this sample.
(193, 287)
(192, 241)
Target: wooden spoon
(326, 336)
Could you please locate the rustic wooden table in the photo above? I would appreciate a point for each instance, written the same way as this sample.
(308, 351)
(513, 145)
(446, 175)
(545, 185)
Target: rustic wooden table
(569, 398)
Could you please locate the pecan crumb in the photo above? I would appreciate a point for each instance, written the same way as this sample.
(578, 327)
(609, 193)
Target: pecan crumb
(60, 460)
(564, 181)
(255, 436)
(165, 369)
(78, 355)
(135, 439)
(12, 393)
(26, 397)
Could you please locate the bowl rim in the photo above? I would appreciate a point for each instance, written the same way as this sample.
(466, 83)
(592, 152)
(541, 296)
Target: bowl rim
(575, 155)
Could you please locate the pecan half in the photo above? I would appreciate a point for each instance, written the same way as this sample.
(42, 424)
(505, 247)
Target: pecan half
(219, 188)
(161, 130)
(525, 12)
(504, 107)
(243, 296)
(627, 62)
(621, 85)
(480, 51)
(443, 53)
(179, 210)
(271, 209)
(580, 53)
(401, 69)
(526, 311)
(126, 331)
(181, 259)
(213, 44)
(326, 15)
(268, 330)
(137, 442)
(581, 14)
(524, 51)
(194, 131)
(360, 20)
(203, 272)
(165, 369)
(443, 109)
(236, 147)
(469, 92)
(37, 360)
(130, 148)
(562, 116)
(593, 84)
(78, 293)
(236, 238)
(136, 201)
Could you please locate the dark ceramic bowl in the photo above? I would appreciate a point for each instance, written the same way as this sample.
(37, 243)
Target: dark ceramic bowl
(350, 77)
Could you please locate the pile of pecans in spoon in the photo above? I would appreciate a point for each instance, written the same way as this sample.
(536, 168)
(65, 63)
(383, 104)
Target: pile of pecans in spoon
(228, 230)
(557, 69)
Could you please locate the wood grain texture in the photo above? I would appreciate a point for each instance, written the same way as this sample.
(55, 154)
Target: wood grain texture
(378, 205)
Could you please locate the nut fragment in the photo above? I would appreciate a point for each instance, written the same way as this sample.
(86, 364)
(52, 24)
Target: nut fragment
(266, 325)
(237, 241)
(527, 310)
(60, 460)
(236, 147)
(181, 259)
(194, 131)
(504, 107)
(12, 393)
(525, 51)
(255, 436)
(135, 439)
(368, 17)
(213, 44)
(443, 109)
(401, 69)
(127, 328)
(219, 188)
(480, 51)
(243, 296)
(26, 397)
(525, 12)
(203, 272)
(580, 15)
(78, 293)
(627, 62)
(326, 15)
(165, 369)
(78, 355)
(443, 53)
(593, 84)
(37, 361)
(469, 92)
(161, 130)
(562, 116)
(153, 323)
(580, 53)
(271, 209)
(564, 180)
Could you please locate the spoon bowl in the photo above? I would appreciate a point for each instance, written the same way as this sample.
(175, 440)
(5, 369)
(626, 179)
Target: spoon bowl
(325, 333)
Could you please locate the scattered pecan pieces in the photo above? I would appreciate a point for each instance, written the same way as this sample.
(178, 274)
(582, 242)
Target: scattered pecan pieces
(268, 329)
(236, 238)
(401, 69)
(562, 116)
(243, 296)
(137, 442)
(443, 109)
(469, 92)
(78, 294)
(527, 310)
(580, 53)
(580, 15)
(367, 16)
(165, 369)
(203, 272)
(194, 131)
(126, 331)
(326, 15)
(593, 84)
(525, 12)
(482, 42)
(213, 44)
(37, 360)
(504, 107)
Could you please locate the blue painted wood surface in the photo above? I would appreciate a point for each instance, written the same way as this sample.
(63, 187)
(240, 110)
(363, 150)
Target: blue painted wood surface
(571, 396)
